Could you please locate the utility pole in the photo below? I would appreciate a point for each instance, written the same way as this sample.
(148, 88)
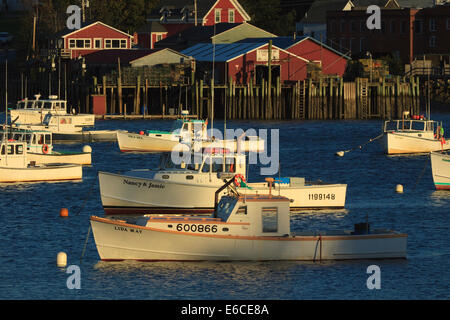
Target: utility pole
(195, 11)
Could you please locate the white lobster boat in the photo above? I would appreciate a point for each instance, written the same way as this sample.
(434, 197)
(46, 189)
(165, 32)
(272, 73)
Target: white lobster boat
(34, 111)
(163, 141)
(64, 130)
(413, 136)
(186, 134)
(440, 168)
(16, 167)
(190, 188)
(40, 148)
(243, 228)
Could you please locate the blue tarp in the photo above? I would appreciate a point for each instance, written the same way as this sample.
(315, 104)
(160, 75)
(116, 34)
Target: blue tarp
(222, 51)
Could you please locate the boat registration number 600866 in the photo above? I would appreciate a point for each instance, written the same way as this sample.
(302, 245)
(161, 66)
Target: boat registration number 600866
(196, 227)
(321, 196)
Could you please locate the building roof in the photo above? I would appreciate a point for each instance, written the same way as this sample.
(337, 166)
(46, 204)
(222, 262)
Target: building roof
(112, 55)
(152, 26)
(66, 31)
(286, 42)
(196, 34)
(415, 3)
(222, 51)
(317, 13)
(177, 9)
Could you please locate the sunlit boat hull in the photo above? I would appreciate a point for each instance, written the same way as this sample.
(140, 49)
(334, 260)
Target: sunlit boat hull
(59, 172)
(83, 158)
(166, 240)
(130, 194)
(400, 143)
(440, 167)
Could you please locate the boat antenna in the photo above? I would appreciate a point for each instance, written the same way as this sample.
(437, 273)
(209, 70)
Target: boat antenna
(212, 81)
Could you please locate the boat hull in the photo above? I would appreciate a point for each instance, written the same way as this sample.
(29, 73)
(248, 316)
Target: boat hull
(60, 172)
(86, 136)
(133, 142)
(84, 158)
(127, 194)
(398, 143)
(117, 240)
(440, 168)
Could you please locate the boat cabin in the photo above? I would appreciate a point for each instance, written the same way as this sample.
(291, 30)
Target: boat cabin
(36, 141)
(185, 130)
(266, 215)
(13, 154)
(422, 128)
(212, 164)
(49, 105)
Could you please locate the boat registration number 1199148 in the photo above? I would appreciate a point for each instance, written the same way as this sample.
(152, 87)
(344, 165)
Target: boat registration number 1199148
(196, 228)
(321, 196)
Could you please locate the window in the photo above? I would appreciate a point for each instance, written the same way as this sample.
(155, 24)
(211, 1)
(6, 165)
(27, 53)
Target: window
(242, 210)
(158, 37)
(352, 26)
(79, 43)
(393, 26)
(403, 27)
(448, 24)
(418, 26)
(19, 149)
(3, 150)
(217, 15)
(231, 15)
(97, 43)
(362, 25)
(269, 219)
(333, 26)
(432, 42)
(115, 43)
(342, 29)
(432, 23)
(10, 149)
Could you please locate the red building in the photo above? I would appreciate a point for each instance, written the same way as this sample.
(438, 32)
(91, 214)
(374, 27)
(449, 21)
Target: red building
(178, 15)
(150, 33)
(241, 62)
(406, 32)
(92, 37)
(331, 61)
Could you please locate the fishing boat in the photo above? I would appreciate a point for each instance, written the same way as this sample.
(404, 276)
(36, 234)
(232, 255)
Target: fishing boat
(64, 130)
(242, 228)
(40, 148)
(415, 134)
(189, 187)
(186, 134)
(16, 167)
(34, 111)
(440, 168)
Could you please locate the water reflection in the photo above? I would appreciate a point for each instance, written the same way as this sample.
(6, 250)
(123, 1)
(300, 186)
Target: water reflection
(440, 198)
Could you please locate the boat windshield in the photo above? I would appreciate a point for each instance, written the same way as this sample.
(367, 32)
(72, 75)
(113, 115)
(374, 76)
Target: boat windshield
(225, 207)
(47, 119)
(48, 105)
(408, 125)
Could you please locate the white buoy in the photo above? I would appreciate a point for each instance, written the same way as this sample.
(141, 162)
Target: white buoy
(340, 153)
(87, 149)
(399, 188)
(61, 259)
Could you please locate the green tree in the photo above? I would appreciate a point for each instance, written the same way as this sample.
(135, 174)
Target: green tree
(268, 15)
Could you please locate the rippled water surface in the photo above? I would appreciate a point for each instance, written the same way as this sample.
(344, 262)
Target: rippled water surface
(32, 233)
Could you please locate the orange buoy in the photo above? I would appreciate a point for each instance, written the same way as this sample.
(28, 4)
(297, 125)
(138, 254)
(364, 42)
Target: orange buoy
(141, 133)
(64, 212)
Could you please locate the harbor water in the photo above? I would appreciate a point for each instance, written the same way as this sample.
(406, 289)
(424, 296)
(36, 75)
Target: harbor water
(32, 233)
